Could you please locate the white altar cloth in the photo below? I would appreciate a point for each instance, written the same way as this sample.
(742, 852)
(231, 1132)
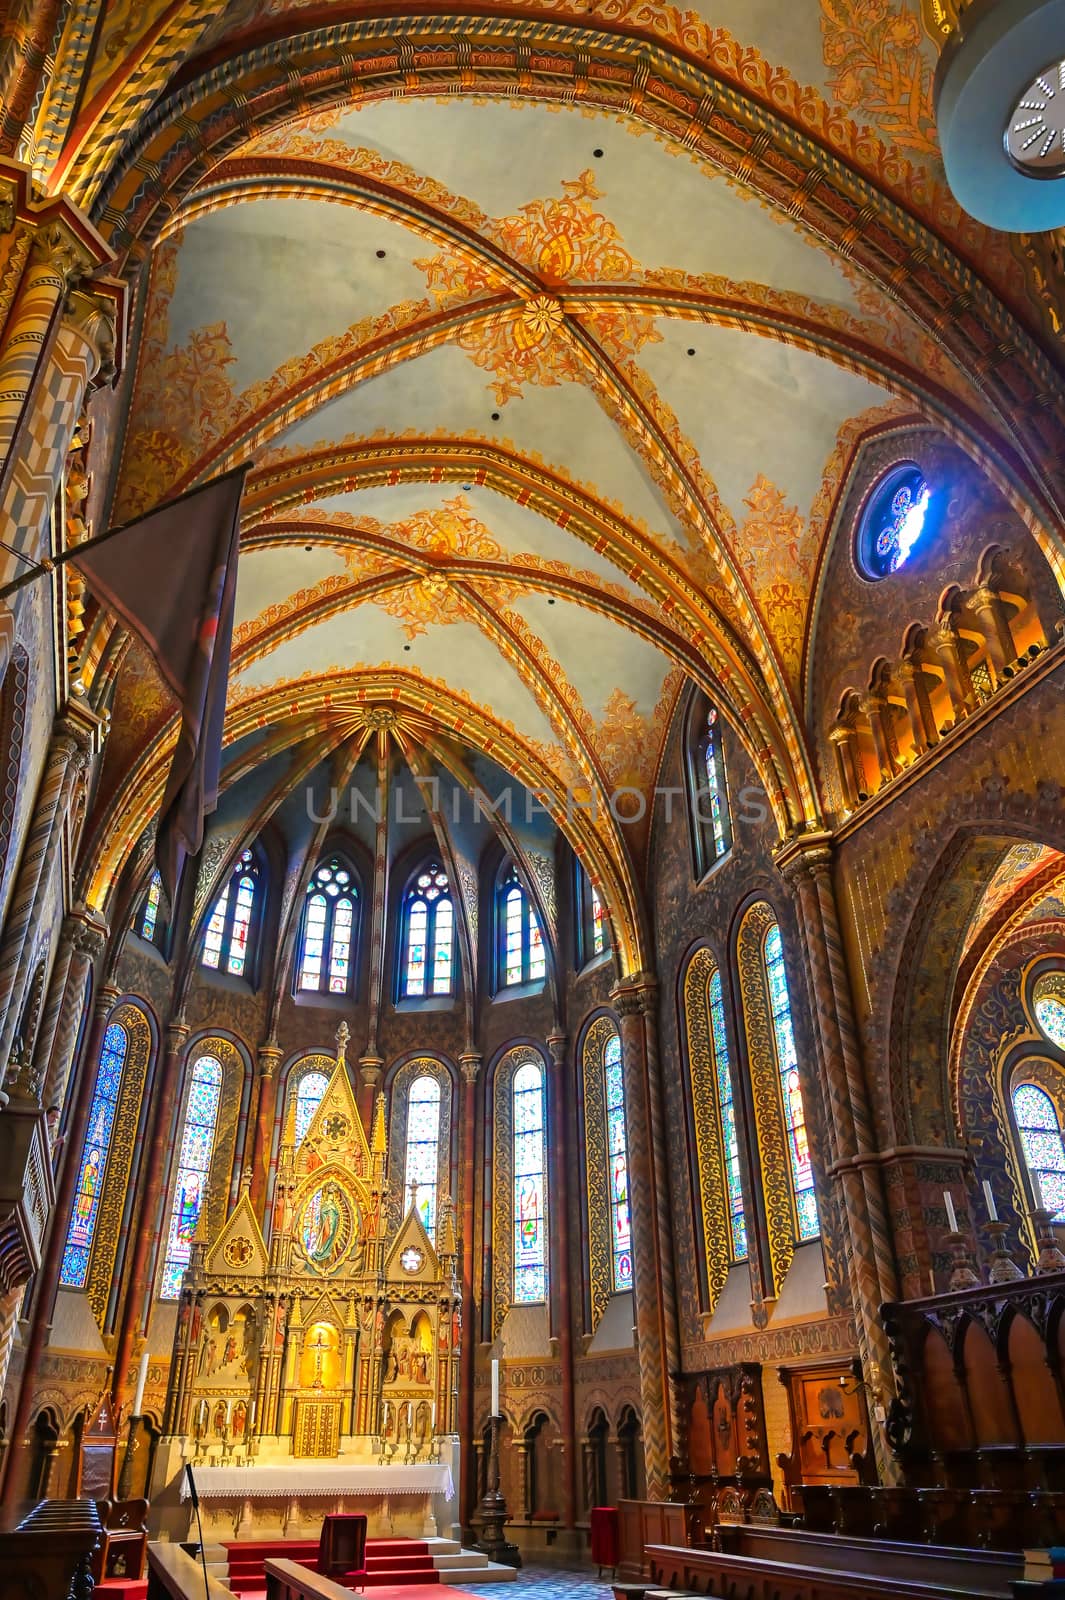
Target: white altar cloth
(320, 1480)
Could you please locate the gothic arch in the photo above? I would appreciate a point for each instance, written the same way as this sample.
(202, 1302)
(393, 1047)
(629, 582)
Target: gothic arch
(592, 1044)
(501, 1133)
(401, 1076)
(710, 1195)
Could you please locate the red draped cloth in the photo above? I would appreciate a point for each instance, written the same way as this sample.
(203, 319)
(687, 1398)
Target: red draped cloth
(604, 1532)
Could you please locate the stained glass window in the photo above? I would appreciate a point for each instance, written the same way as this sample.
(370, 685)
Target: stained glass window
(802, 1177)
(1050, 1015)
(309, 1092)
(894, 519)
(522, 958)
(423, 1147)
(709, 805)
(618, 1156)
(226, 943)
(598, 923)
(727, 1112)
(1044, 1152)
(193, 1170)
(428, 957)
(530, 1223)
(150, 914)
(75, 1269)
(326, 946)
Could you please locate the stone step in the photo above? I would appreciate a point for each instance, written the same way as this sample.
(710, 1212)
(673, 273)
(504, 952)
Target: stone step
(442, 1547)
(491, 1572)
(461, 1558)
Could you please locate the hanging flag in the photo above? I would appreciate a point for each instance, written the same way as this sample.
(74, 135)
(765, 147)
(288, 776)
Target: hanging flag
(171, 577)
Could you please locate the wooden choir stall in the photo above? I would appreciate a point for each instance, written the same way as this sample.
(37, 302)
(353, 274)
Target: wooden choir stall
(316, 1370)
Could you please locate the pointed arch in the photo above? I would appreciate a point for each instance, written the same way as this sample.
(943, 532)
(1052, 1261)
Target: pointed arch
(709, 813)
(519, 1181)
(428, 961)
(520, 955)
(230, 939)
(419, 1138)
(606, 1166)
(327, 948)
(713, 1111)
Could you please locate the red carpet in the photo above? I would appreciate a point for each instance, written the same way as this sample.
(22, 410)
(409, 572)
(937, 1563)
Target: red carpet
(401, 1565)
(123, 1589)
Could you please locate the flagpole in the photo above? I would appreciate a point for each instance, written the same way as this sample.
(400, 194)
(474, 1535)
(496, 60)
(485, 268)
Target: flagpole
(50, 563)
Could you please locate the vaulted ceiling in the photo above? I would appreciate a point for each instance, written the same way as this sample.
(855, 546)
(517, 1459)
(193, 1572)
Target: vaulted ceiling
(552, 335)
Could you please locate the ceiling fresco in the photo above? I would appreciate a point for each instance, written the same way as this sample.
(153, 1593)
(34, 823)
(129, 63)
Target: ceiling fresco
(551, 341)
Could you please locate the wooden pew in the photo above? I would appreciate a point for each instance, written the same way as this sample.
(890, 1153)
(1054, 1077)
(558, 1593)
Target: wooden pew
(768, 1563)
(288, 1580)
(175, 1575)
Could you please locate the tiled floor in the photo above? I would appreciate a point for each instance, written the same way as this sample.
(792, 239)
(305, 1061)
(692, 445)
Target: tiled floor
(547, 1583)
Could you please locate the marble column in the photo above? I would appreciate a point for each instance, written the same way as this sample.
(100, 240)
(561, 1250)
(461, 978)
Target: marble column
(65, 763)
(807, 865)
(153, 1174)
(562, 1201)
(82, 941)
(269, 1060)
(470, 1066)
(658, 1345)
(51, 1265)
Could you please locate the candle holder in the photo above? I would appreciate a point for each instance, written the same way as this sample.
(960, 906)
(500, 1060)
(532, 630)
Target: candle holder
(492, 1510)
(962, 1275)
(1002, 1267)
(1050, 1256)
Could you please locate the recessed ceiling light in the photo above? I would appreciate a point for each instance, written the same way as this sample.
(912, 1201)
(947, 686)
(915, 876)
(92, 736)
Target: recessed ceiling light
(1035, 132)
(308, 547)
(550, 599)
(691, 351)
(495, 416)
(380, 255)
(406, 647)
(597, 154)
(467, 487)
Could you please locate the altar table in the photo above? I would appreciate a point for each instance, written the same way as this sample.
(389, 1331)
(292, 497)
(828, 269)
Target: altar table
(289, 1500)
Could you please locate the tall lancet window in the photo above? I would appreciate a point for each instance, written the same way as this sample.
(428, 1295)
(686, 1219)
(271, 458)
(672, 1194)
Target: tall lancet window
(94, 1155)
(427, 962)
(149, 917)
(309, 1092)
(193, 1170)
(228, 941)
(727, 1112)
(520, 955)
(423, 1148)
(1039, 1129)
(802, 1177)
(327, 937)
(530, 1231)
(708, 786)
(618, 1150)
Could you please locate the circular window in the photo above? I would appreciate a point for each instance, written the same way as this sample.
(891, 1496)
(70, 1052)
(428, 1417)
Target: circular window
(1048, 1003)
(411, 1259)
(1035, 132)
(892, 521)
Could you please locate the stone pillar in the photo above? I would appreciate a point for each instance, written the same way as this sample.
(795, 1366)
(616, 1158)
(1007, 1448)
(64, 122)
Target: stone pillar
(991, 610)
(944, 641)
(153, 1173)
(875, 707)
(806, 864)
(925, 733)
(844, 741)
(48, 1277)
(66, 761)
(470, 1066)
(370, 1069)
(562, 1201)
(88, 941)
(653, 1270)
(269, 1061)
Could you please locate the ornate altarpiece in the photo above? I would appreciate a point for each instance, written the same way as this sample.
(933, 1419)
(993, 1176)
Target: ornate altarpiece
(334, 1339)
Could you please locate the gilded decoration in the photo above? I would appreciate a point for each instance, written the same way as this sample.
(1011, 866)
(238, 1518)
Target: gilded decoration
(109, 1229)
(300, 1069)
(880, 67)
(502, 1294)
(765, 1086)
(419, 1067)
(709, 1139)
(596, 1166)
(560, 241)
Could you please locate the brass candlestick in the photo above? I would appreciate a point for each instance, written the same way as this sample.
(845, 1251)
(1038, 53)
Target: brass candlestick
(1002, 1267)
(1050, 1256)
(962, 1275)
(493, 1508)
(125, 1477)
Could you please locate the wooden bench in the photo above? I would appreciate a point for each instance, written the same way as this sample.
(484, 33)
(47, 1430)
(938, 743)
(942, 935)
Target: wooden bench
(767, 1563)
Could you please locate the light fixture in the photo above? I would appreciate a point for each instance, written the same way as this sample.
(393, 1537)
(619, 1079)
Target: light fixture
(1000, 109)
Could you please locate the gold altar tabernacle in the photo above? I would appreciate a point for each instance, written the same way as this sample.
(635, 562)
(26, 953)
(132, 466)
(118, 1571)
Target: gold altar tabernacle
(335, 1338)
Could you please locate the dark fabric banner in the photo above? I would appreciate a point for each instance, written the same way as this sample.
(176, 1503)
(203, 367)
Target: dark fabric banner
(172, 579)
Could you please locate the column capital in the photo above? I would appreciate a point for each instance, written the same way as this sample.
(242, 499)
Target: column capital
(86, 932)
(92, 316)
(267, 1058)
(370, 1069)
(805, 853)
(470, 1062)
(636, 995)
(177, 1031)
(556, 1044)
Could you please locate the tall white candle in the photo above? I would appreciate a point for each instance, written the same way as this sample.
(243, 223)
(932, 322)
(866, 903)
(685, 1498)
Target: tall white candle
(229, 1412)
(952, 1220)
(495, 1387)
(142, 1379)
(203, 1413)
(251, 1414)
(1037, 1191)
(989, 1199)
